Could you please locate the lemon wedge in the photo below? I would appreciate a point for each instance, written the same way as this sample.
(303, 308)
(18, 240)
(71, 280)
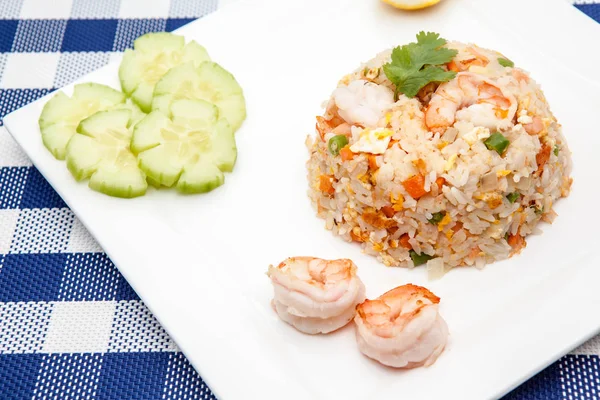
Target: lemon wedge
(411, 4)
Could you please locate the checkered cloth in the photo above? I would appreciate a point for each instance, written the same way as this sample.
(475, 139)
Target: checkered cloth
(70, 325)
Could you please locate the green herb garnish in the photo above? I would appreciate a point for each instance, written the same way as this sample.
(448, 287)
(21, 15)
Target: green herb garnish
(506, 236)
(497, 142)
(336, 143)
(505, 62)
(556, 150)
(419, 259)
(512, 197)
(414, 65)
(437, 217)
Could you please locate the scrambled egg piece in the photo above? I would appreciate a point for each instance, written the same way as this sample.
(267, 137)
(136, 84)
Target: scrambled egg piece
(477, 134)
(374, 141)
(524, 117)
(450, 162)
(445, 221)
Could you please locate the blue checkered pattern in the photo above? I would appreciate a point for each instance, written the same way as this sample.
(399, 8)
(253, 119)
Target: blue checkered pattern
(70, 325)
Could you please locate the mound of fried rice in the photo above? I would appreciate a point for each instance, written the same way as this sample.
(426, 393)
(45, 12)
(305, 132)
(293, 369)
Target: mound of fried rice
(437, 195)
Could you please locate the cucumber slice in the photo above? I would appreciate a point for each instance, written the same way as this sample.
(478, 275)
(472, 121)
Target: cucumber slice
(61, 114)
(153, 183)
(209, 82)
(99, 151)
(201, 177)
(190, 148)
(224, 151)
(162, 40)
(152, 56)
(136, 113)
(150, 127)
(161, 164)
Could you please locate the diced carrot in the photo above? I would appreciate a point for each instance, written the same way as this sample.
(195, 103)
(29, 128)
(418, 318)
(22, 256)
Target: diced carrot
(440, 182)
(452, 66)
(388, 211)
(517, 242)
(415, 186)
(457, 226)
(404, 241)
(326, 184)
(373, 162)
(542, 158)
(346, 153)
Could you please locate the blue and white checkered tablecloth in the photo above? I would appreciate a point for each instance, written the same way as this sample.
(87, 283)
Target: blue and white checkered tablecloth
(70, 325)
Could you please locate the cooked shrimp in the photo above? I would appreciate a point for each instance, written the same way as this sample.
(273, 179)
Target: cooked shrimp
(470, 97)
(362, 102)
(315, 295)
(535, 127)
(402, 328)
(520, 75)
(471, 55)
(324, 127)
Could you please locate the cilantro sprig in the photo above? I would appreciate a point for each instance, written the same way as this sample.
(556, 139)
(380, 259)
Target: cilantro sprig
(414, 65)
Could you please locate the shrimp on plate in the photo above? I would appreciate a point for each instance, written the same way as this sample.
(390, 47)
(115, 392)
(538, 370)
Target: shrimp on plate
(470, 55)
(315, 295)
(360, 104)
(402, 328)
(470, 97)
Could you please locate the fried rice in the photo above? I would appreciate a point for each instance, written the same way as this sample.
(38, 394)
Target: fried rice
(411, 190)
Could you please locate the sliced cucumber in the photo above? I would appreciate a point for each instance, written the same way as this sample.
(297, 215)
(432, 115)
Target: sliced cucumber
(201, 177)
(136, 113)
(100, 151)
(158, 40)
(190, 148)
(153, 183)
(152, 56)
(209, 82)
(151, 126)
(62, 114)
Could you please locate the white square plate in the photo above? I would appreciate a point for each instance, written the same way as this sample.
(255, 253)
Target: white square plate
(199, 261)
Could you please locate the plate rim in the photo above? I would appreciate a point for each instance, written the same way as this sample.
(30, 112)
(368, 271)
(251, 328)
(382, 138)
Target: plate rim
(215, 383)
